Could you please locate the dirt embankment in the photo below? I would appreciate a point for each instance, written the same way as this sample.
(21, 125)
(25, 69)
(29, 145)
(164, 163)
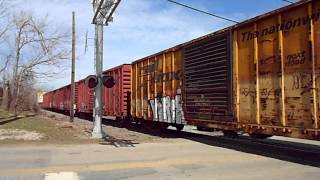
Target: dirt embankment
(54, 128)
(116, 133)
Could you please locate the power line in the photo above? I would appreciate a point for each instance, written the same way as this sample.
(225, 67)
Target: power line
(288, 1)
(204, 12)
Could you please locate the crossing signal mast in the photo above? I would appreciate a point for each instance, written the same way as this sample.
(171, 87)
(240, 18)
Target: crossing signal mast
(103, 11)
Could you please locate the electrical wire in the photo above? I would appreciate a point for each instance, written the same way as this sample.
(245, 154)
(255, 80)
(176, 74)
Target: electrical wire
(288, 1)
(204, 12)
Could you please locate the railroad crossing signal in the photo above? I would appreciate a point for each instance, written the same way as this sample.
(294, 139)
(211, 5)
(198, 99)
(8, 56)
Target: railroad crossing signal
(92, 81)
(108, 81)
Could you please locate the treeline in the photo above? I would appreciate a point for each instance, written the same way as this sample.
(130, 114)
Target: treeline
(31, 49)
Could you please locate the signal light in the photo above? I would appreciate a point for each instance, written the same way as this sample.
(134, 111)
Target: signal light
(108, 81)
(91, 81)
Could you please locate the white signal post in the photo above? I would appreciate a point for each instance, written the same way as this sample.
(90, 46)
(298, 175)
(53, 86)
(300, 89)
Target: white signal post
(103, 10)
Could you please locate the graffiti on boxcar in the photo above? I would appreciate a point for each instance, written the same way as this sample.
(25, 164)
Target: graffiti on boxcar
(290, 115)
(291, 59)
(301, 80)
(159, 76)
(296, 58)
(167, 109)
(247, 92)
(165, 77)
(269, 60)
(265, 94)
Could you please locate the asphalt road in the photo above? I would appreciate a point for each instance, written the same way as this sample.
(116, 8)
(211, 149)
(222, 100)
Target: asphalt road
(181, 159)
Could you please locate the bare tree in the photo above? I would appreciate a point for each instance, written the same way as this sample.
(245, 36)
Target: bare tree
(3, 8)
(4, 27)
(39, 49)
(5, 64)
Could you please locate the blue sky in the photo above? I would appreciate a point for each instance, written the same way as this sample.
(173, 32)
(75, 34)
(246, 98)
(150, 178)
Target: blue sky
(141, 27)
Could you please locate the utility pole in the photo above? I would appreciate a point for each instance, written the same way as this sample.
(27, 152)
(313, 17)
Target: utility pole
(103, 10)
(72, 100)
(97, 130)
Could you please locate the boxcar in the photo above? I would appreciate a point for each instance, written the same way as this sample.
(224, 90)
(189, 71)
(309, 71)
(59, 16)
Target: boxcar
(47, 101)
(156, 87)
(259, 76)
(85, 100)
(117, 99)
(59, 99)
(62, 99)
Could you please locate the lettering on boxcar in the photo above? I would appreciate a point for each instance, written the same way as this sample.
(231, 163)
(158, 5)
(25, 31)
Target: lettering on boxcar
(266, 93)
(167, 109)
(296, 59)
(165, 77)
(286, 26)
(307, 87)
(269, 94)
(301, 81)
(157, 76)
(247, 92)
(290, 115)
(269, 60)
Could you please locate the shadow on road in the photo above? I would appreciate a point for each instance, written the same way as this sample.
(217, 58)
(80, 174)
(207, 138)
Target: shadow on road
(116, 142)
(110, 140)
(300, 153)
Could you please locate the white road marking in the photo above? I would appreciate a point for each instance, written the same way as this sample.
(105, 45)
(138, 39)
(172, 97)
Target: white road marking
(62, 176)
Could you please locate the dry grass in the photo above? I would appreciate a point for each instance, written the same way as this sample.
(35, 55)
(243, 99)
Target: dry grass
(52, 132)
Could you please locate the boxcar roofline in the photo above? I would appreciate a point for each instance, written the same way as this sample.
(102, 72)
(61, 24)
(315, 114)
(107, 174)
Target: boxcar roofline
(230, 28)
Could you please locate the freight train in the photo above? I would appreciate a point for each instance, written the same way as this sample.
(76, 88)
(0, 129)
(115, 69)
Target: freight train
(260, 76)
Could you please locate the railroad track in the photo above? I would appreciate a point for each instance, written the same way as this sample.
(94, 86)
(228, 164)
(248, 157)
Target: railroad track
(295, 152)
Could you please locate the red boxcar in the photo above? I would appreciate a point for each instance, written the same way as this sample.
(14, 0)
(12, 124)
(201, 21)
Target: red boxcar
(117, 99)
(47, 100)
(85, 101)
(60, 99)
(54, 99)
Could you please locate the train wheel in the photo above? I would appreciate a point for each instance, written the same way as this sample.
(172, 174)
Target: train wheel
(155, 126)
(200, 128)
(205, 129)
(229, 133)
(259, 136)
(179, 127)
(164, 126)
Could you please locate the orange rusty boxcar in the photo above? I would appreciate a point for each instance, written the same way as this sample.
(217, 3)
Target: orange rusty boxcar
(260, 76)
(156, 87)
